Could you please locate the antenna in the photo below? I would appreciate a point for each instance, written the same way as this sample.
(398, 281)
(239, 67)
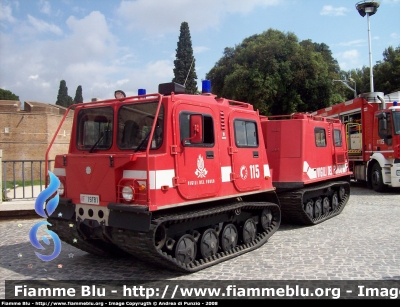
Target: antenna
(190, 68)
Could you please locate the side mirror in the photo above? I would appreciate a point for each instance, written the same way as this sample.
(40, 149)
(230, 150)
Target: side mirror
(381, 115)
(382, 124)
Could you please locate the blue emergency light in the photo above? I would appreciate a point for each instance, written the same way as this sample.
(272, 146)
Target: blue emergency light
(206, 86)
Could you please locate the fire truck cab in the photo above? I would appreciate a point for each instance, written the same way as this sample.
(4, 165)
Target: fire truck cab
(373, 137)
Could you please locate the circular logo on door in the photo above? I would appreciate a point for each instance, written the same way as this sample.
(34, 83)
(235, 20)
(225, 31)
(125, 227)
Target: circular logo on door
(243, 172)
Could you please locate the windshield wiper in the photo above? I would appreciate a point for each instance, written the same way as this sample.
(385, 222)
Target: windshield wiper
(98, 141)
(143, 141)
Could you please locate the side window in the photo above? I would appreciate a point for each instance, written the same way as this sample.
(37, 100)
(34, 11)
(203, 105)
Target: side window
(320, 137)
(396, 120)
(245, 133)
(337, 135)
(208, 130)
(388, 140)
(385, 127)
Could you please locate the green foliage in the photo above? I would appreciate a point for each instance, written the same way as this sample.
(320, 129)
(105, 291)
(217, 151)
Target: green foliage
(184, 71)
(62, 98)
(341, 92)
(78, 95)
(387, 72)
(7, 95)
(276, 73)
(386, 75)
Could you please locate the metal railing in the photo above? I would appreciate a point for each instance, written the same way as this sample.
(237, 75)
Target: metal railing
(23, 179)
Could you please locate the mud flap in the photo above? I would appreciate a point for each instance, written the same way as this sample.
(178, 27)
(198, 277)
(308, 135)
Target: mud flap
(65, 209)
(129, 217)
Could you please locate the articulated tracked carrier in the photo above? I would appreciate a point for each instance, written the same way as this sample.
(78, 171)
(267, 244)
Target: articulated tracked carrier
(309, 162)
(187, 181)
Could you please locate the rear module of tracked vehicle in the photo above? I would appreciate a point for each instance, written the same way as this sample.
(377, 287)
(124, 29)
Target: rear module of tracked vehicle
(174, 179)
(308, 159)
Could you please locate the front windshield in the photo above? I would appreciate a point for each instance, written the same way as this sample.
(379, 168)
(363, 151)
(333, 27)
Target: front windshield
(396, 122)
(134, 125)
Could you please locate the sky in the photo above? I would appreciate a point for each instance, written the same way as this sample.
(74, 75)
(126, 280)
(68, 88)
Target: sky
(106, 45)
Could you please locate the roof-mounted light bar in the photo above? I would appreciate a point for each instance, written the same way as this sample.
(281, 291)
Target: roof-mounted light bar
(168, 88)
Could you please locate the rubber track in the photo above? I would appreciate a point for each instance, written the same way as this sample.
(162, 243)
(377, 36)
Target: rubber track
(141, 245)
(292, 207)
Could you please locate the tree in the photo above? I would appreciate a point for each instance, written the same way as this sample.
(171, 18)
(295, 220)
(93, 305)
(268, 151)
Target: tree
(387, 72)
(62, 98)
(184, 71)
(276, 73)
(7, 95)
(338, 92)
(78, 95)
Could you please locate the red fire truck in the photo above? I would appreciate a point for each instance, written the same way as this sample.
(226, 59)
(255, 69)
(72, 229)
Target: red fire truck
(373, 136)
(187, 181)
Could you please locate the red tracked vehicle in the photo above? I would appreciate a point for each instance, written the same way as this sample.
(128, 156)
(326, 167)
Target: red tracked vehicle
(202, 190)
(309, 166)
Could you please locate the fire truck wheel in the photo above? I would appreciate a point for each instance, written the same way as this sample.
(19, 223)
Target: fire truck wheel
(309, 208)
(209, 243)
(229, 237)
(249, 231)
(342, 193)
(266, 219)
(160, 237)
(335, 201)
(376, 178)
(318, 207)
(325, 205)
(185, 250)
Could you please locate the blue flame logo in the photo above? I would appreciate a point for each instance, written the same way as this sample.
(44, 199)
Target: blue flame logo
(41, 208)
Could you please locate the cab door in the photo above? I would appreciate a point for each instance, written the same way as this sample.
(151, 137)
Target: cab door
(197, 162)
(245, 151)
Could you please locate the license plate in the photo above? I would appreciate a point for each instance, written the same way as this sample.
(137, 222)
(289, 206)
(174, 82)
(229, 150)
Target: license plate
(90, 199)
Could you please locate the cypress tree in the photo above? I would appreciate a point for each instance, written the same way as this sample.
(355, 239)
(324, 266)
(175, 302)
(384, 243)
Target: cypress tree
(62, 98)
(78, 95)
(184, 71)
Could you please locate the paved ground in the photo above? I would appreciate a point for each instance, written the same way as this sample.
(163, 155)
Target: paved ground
(362, 243)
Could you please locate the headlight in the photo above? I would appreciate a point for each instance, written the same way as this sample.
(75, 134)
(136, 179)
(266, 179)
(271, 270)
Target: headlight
(127, 193)
(61, 188)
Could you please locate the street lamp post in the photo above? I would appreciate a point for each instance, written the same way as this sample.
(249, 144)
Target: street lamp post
(368, 8)
(348, 86)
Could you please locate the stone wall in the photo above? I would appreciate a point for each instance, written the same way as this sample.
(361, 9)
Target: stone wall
(26, 134)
